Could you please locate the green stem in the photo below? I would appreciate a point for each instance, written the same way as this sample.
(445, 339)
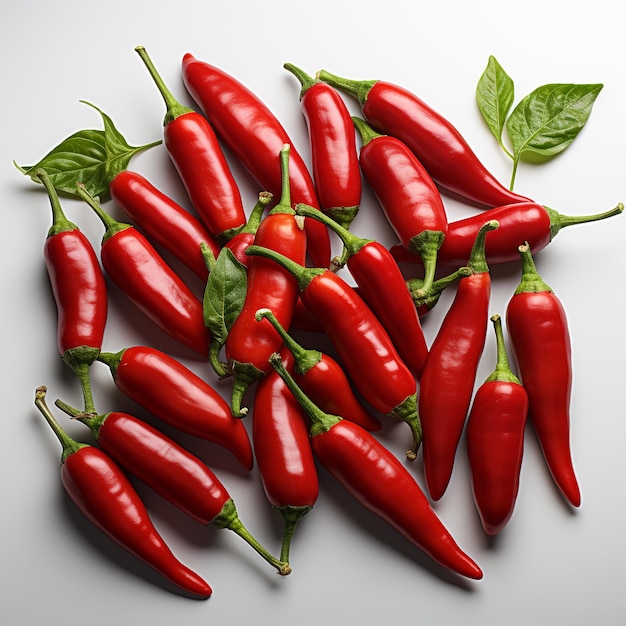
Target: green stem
(430, 299)
(111, 225)
(513, 172)
(256, 215)
(366, 132)
(229, 518)
(112, 360)
(60, 222)
(477, 260)
(79, 360)
(427, 244)
(531, 281)
(174, 107)
(284, 205)
(558, 221)
(358, 89)
(291, 518)
(502, 371)
(70, 446)
(306, 81)
(304, 359)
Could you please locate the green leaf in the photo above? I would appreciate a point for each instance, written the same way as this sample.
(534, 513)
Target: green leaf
(547, 120)
(494, 95)
(90, 157)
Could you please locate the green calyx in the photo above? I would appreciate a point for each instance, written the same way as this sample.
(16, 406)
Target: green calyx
(366, 132)
(430, 299)
(502, 371)
(306, 81)
(320, 420)
(174, 108)
(427, 244)
(477, 260)
(407, 412)
(358, 89)
(558, 221)
(228, 518)
(79, 360)
(60, 222)
(531, 281)
(112, 360)
(291, 518)
(244, 375)
(111, 225)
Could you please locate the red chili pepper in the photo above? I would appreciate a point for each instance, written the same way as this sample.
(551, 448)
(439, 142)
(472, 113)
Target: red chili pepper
(249, 344)
(447, 383)
(197, 155)
(407, 195)
(163, 220)
(495, 440)
(303, 319)
(322, 378)
(103, 493)
(178, 397)
(365, 350)
(379, 481)
(255, 136)
(79, 291)
(134, 265)
(382, 286)
(334, 155)
(541, 343)
(282, 448)
(425, 302)
(443, 151)
(170, 470)
(529, 221)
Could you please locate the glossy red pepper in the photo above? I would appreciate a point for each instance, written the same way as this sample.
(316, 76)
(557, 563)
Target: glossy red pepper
(197, 155)
(531, 222)
(103, 493)
(280, 437)
(163, 220)
(381, 284)
(379, 481)
(322, 378)
(141, 273)
(365, 350)
(539, 333)
(334, 155)
(447, 384)
(407, 194)
(79, 291)
(255, 136)
(440, 147)
(170, 470)
(179, 397)
(495, 440)
(249, 344)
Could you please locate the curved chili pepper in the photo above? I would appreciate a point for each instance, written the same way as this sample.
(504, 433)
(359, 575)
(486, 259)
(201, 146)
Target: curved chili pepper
(255, 136)
(541, 343)
(322, 378)
(103, 493)
(368, 355)
(150, 284)
(526, 221)
(280, 436)
(379, 481)
(425, 302)
(167, 468)
(447, 383)
(382, 286)
(334, 155)
(495, 440)
(407, 194)
(163, 220)
(179, 397)
(249, 344)
(443, 151)
(79, 291)
(197, 155)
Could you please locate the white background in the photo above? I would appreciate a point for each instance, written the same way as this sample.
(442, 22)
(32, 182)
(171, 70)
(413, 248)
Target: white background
(551, 565)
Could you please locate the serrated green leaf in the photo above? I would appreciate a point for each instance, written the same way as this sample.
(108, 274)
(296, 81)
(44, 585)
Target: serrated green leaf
(494, 96)
(548, 120)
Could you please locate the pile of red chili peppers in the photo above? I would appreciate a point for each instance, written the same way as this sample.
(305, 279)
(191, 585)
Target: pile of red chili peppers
(271, 286)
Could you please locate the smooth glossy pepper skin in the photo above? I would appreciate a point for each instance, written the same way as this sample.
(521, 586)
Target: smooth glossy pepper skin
(447, 383)
(141, 273)
(334, 155)
(539, 333)
(198, 157)
(441, 148)
(163, 220)
(179, 397)
(282, 448)
(249, 344)
(495, 441)
(103, 493)
(526, 221)
(380, 482)
(365, 350)
(255, 136)
(407, 194)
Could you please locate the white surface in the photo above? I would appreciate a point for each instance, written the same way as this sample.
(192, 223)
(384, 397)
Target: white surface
(550, 565)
